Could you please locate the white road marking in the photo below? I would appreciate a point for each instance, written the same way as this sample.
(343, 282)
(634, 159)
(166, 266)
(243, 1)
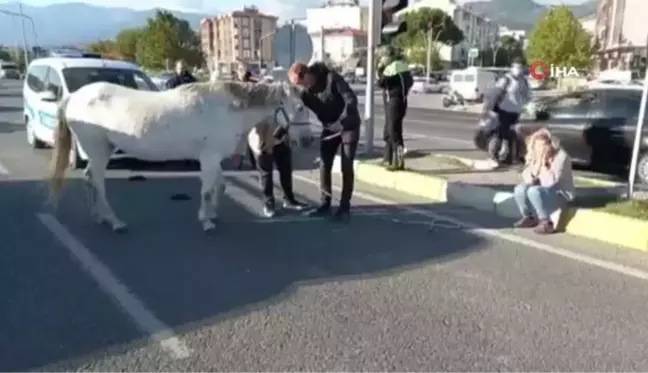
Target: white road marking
(125, 298)
(493, 233)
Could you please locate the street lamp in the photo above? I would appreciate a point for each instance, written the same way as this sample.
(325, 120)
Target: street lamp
(33, 27)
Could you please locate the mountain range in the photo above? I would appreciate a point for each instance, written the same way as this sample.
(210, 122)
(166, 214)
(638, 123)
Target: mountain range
(77, 23)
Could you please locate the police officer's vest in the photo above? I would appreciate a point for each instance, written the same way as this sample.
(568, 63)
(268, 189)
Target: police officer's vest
(397, 67)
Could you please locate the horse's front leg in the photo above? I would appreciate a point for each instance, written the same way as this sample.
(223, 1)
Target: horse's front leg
(212, 188)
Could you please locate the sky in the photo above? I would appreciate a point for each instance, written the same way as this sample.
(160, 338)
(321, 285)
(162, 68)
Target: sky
(283, 8)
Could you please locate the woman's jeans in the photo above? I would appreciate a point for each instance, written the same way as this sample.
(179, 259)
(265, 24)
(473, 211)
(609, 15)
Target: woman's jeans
(538, 201)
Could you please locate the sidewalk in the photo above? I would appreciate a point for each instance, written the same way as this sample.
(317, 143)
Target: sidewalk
(596, 212)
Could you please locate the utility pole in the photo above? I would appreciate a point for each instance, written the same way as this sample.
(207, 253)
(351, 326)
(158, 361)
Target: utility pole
(292, 42)
(375, 10)
(322, 44)
(429, 54)
(24, 35)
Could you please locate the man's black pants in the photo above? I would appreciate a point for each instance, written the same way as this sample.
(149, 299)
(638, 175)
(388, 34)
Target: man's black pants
(395, 110)
(348, 145)
(504, 134)
(282, 158)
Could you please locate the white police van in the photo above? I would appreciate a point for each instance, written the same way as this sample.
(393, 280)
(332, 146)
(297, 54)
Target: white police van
(50, 79)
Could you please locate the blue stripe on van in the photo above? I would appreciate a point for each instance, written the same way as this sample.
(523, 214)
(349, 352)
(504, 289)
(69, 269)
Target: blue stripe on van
(43, 118)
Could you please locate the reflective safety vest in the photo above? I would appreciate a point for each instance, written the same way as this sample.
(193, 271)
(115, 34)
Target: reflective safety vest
(395, 68)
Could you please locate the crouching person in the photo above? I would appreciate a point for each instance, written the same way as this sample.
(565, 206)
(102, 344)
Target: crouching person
(269, 150)
(547, 183)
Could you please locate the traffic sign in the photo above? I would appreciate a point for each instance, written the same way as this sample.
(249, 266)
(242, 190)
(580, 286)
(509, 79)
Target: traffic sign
(473, 53)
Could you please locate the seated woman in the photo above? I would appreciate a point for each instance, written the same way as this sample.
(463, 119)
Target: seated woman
(547, 183)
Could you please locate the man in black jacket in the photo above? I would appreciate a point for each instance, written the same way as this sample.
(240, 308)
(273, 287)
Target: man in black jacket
(182, 76)
(336, 106)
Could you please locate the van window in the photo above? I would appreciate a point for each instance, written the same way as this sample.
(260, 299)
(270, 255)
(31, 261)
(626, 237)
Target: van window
(457, 78)
(53, 83)
(36, 78)
(8, 66)
(469, 78)
(77, 77)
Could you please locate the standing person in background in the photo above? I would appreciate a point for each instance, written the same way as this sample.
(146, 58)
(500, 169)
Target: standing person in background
(244, 74)
(512, 92)
(331, 98)
(182, 76)
(396, 81)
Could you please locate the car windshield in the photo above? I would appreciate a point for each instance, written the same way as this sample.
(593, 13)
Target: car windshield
(77, 77)
(8, 66)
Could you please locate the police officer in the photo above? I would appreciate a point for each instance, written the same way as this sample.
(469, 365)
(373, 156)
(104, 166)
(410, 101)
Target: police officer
(182, 76)
(331, 98)
(396, 80)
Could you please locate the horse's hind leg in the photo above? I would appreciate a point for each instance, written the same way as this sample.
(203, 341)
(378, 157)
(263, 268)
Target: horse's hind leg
(95, 177)
(211, 189)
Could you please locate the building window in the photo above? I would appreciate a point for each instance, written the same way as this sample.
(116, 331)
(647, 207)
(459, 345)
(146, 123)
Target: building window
(246, 43)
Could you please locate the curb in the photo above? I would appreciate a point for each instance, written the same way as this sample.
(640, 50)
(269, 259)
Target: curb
(581, 222)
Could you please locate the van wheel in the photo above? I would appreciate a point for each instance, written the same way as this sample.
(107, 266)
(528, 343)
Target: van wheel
(446, 102)
(642, 168)
(32, 140)
(76, 162)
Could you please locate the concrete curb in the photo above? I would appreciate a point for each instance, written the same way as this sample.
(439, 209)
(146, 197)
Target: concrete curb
(609, 228)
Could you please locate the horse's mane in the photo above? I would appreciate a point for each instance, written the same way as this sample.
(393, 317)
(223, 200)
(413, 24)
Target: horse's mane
(251, 94)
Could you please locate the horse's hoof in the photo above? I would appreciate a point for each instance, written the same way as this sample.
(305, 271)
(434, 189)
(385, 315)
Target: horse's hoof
(208, 226)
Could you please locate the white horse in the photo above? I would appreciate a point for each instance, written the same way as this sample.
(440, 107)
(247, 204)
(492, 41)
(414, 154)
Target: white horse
(202, 121)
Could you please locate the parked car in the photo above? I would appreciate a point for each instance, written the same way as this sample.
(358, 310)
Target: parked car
(9, 70)
(48, 80)
(596, 126)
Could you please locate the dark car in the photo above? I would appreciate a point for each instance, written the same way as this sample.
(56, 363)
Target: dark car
(595, 126)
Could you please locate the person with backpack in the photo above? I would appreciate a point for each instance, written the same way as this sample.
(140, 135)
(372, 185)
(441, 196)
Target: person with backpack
(396, 81)
(507, 101)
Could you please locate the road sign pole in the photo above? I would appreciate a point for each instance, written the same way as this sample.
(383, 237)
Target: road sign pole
(638, 138)
(374, 16)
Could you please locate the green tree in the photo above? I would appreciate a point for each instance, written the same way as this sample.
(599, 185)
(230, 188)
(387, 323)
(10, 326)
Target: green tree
(419, 23)
(166, 37)
(560, 39)
(102, 47)
(5, 55)
(126, 43)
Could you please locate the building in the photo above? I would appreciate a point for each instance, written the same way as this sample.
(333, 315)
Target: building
(243, 35)
(337, 15)
(519, 35)
(622, 32)
(338, 45)
(479, 32)
(343, 24)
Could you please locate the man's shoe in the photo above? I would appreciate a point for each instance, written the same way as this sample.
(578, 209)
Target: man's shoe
(322, 210)
(269, 210)
(343, 213)
(544, 227)
(294, 205)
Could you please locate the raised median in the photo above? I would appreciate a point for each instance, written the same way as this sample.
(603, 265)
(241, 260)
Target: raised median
(597, 212)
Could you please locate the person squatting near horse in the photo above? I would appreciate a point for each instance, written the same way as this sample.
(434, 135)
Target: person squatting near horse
(202, 121)
(547, 182)
(270, 146)
(395, 79)
(507, 101)
(331, 98)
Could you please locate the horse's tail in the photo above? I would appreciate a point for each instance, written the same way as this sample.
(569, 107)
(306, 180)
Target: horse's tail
(62, 148)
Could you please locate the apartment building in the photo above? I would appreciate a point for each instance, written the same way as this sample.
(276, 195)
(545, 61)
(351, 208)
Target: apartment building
(479, 32)
(622, 32)
(243, 35)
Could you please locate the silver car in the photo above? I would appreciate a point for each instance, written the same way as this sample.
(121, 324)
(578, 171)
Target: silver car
(9, 70)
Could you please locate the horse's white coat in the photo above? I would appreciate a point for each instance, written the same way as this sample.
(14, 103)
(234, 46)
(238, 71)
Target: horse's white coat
(202, 121)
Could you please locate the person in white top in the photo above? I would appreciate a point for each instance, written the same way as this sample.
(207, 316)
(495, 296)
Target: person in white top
(511, 94)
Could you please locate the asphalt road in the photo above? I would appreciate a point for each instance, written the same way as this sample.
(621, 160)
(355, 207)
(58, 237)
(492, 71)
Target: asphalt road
(405, 286)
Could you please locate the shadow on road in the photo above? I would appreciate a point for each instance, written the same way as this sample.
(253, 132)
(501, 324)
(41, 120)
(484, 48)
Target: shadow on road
(8, 127)
(189, 280)
(10, 109)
